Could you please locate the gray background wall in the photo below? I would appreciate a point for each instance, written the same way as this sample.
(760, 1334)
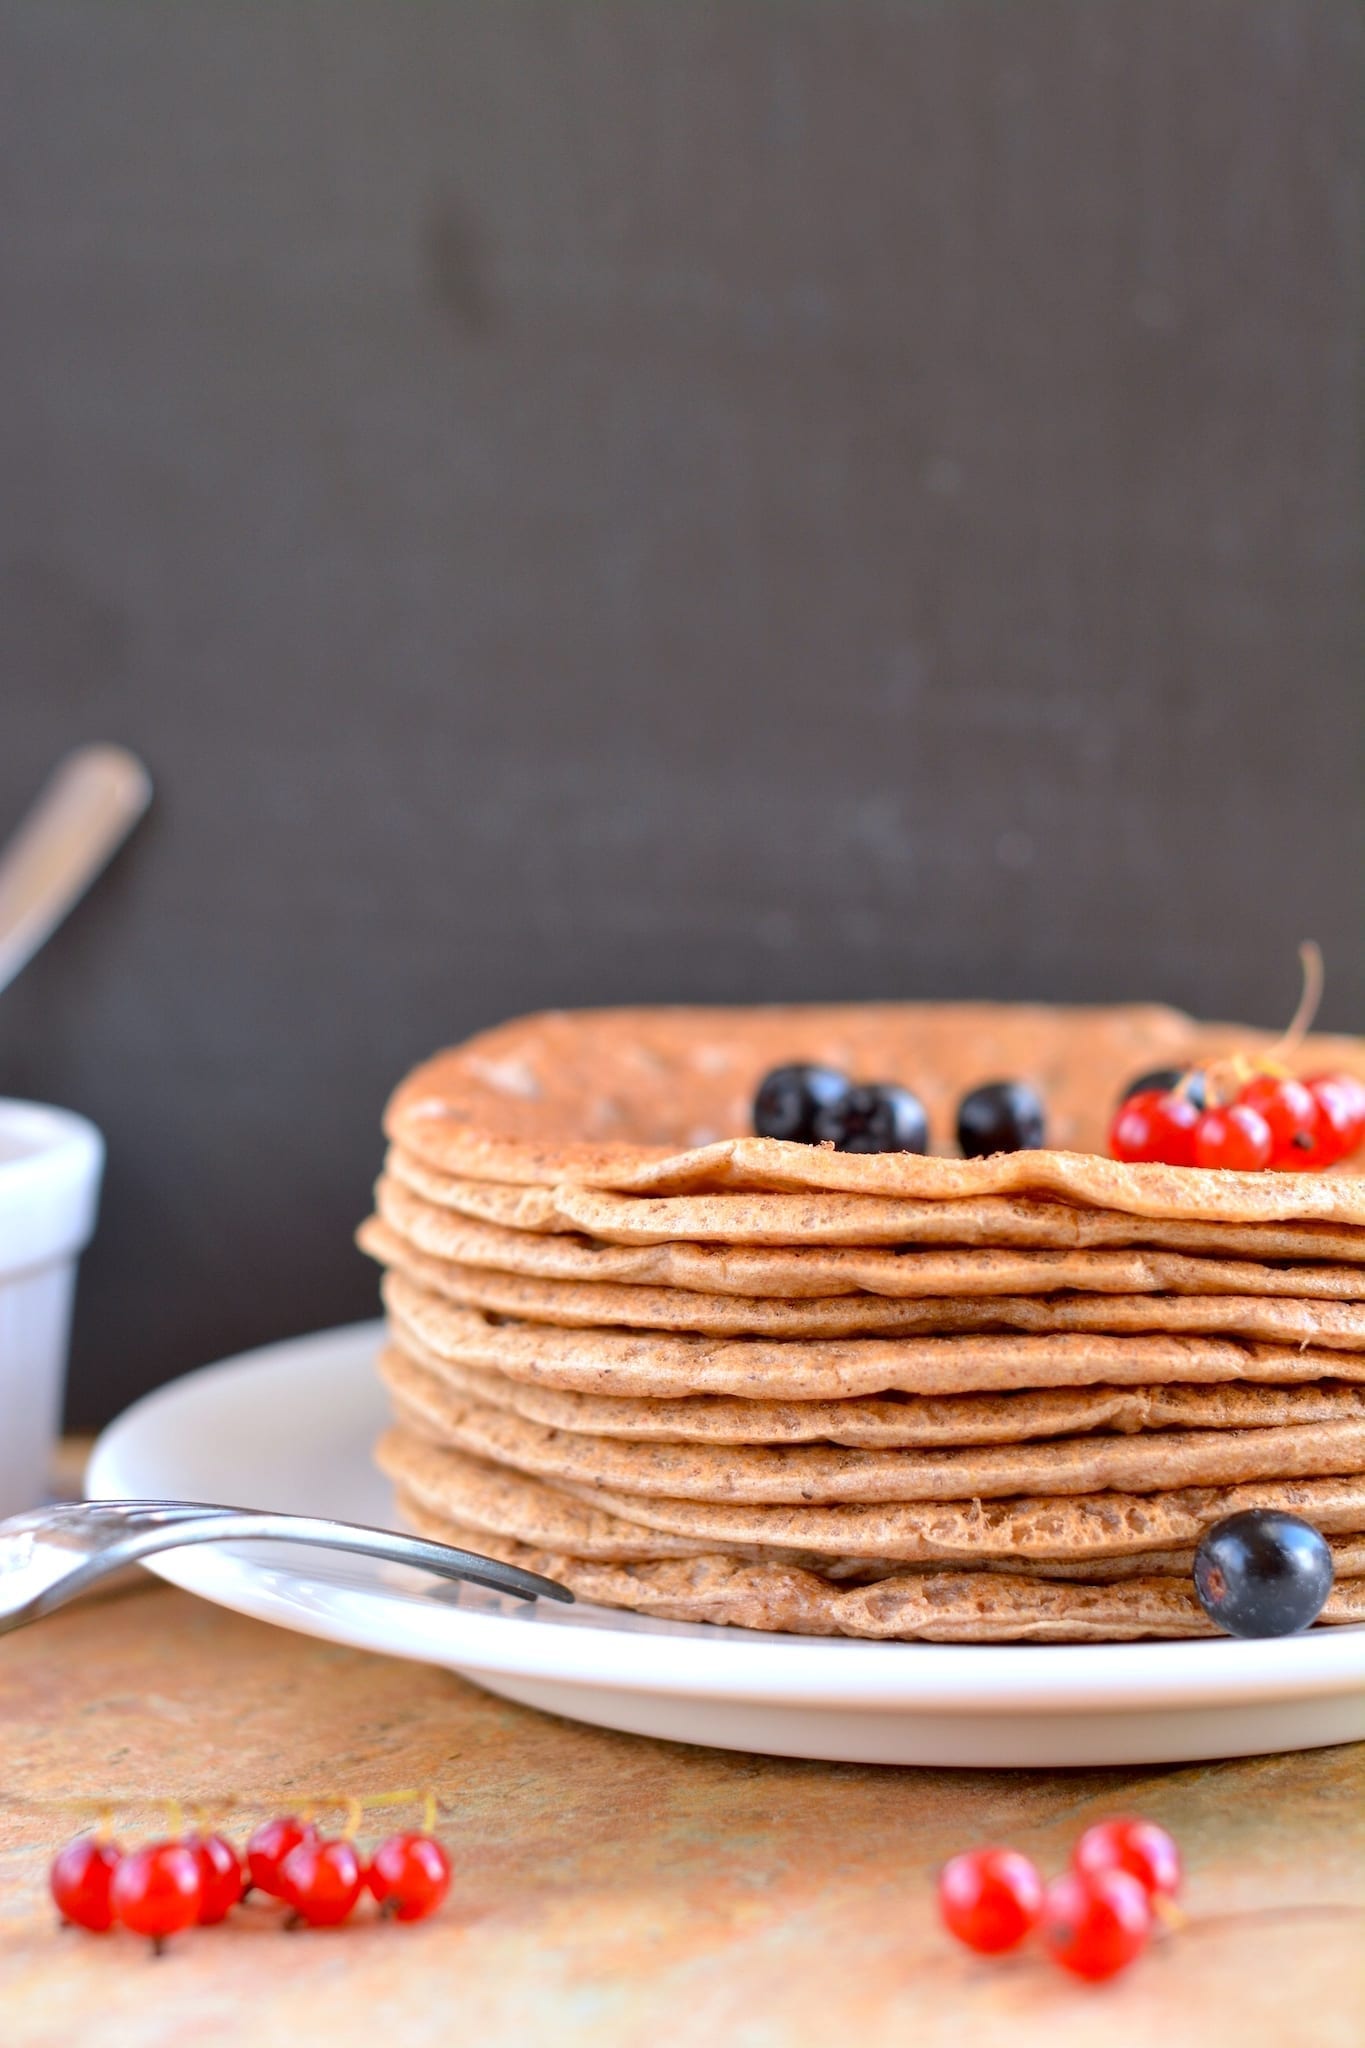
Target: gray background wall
(584, 501)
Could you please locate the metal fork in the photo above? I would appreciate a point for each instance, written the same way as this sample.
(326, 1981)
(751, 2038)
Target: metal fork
(51, 1555)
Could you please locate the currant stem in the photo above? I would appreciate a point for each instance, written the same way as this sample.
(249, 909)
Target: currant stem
(1310, 959)
(1223, 1078)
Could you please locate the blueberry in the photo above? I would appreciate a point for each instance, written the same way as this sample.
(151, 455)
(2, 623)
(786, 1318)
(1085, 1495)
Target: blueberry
(1000, 1116)
(876, 1117)
(790, 1098)
(1262, 1573)
(1166, 1078)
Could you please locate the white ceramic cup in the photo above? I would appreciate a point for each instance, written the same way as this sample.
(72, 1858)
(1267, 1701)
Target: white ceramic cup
(50, 1167)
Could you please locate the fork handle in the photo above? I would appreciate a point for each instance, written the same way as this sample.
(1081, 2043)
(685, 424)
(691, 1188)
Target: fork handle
(250, 1525)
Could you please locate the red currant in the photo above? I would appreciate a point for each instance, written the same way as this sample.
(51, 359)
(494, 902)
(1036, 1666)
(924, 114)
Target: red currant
(220, 1877)
(990, 1898)
(322, 1881)
(80, 1878)
(156, 1890)
(1095, 1926)
(1340, 1100)
(1138, 1846)
(1155, 1126)
(409, 1876)
(269, 1846)
(1237, 1137)
(1291, 1112)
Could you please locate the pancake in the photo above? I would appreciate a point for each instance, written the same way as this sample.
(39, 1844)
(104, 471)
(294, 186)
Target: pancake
(946, 1607)
(652, 1101)
(657, 1364)
(818, 1218)
(606, 1304)
(796, 1273)
(716, 1377)
(770, 1475)
(598, 1521)
(893, 1421)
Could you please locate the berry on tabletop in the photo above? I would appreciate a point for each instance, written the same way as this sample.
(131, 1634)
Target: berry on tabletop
(1142, 1848)
(1000, 1116)
(1095, 1925)
(990, 1898)
(156, 1890)
(80, 1879)
(321, 1880)
(409, 1875)
(269, 1846)
(1262, 1573)
(220, 1876)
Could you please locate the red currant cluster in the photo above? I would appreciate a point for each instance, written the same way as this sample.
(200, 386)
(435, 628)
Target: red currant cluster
(1094, 1920)
(1236, 1115)
(195, 1880)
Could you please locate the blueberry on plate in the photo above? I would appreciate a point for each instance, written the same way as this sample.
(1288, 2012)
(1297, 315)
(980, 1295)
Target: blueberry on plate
(1162, 1080)
(790, 1098)
(1262, 1573)
(1000, 1116)
(876, 1116)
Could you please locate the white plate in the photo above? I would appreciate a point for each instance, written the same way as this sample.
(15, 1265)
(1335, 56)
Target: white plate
(291, 1427)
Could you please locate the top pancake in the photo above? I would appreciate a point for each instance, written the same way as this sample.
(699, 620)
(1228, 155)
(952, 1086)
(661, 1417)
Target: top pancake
(658, 1101)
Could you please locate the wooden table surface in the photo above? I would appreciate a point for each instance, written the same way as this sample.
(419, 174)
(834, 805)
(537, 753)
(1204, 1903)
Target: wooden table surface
(612, 1890)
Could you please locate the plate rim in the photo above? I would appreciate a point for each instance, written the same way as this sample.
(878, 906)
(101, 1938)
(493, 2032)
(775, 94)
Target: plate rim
(720, 1663)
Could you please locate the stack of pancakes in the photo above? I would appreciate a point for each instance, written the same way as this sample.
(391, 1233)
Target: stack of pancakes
(723, 1378)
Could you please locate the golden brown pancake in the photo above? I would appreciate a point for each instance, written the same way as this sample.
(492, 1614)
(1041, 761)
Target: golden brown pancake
(659, 1101)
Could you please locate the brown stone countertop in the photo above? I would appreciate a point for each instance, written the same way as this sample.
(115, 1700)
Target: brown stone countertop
(614, 1891)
